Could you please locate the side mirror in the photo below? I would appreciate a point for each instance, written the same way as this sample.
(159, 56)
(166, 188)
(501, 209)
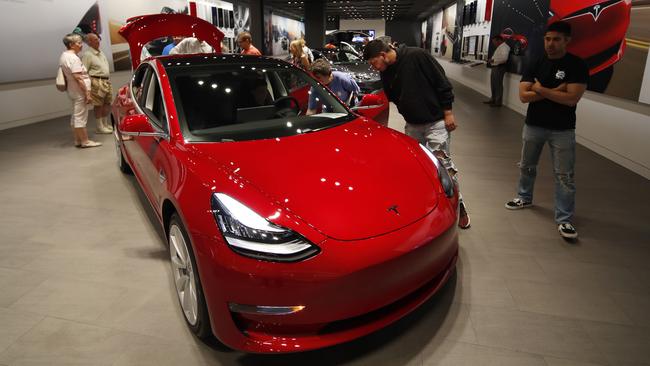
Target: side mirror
(138, 125)
(370, 101)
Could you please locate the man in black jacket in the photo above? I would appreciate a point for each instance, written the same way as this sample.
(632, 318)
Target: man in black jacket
(417, 84)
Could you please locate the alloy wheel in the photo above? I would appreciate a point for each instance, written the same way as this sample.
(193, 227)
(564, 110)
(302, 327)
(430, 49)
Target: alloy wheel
(183, 273)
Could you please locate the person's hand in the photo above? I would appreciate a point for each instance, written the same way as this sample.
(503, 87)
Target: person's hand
(450, 121)
(536, 87)
(88, 98)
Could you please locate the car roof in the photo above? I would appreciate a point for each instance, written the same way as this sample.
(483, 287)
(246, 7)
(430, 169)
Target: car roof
(206, 59)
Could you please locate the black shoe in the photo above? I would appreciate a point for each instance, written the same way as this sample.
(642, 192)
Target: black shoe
(495, 105)
(517, 204)
(463, 216)
(488, 102)
(567, 230)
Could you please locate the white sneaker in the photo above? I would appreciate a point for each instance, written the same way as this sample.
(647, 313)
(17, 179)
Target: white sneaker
(567, 230)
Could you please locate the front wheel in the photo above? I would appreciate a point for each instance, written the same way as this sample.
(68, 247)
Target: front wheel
(186, 279)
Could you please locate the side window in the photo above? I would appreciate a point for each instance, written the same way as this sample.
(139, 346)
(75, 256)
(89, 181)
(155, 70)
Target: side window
(149, 97)
(153, 103)
(291, 80)
(137, 82)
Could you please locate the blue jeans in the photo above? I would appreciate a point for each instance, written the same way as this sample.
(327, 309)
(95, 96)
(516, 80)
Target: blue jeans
(563, 154)
(436, 137)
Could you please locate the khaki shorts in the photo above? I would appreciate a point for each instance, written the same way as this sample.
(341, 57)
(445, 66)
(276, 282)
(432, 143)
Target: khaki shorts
(101, 91)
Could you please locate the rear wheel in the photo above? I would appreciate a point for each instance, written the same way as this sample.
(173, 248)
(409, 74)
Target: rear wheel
(186, 279)
(121, 162)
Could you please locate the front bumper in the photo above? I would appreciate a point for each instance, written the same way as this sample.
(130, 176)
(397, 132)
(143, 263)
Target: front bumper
(348, 290)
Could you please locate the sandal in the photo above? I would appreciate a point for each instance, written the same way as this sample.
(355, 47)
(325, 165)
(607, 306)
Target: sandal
(90, 143)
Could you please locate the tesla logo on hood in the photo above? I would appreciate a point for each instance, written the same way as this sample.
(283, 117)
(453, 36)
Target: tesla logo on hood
(393, 208)
(596, 11)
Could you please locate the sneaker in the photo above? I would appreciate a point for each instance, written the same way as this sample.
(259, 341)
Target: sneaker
(517, 204)
(463, 216)
(488, 101)
(567, 230)
(90, 143)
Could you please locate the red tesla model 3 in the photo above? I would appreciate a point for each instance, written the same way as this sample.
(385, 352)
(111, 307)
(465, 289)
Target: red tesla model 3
(286, 232)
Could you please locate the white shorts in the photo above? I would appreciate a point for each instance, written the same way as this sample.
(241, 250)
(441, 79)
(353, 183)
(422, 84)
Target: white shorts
(79, 116)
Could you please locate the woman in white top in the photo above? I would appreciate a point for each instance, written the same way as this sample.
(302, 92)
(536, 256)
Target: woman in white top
(78, 87)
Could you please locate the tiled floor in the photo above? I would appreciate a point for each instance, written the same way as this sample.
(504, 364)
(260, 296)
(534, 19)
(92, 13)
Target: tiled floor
(85, 280)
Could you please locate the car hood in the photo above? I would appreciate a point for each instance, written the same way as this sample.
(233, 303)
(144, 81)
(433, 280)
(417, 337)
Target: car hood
(350, 182)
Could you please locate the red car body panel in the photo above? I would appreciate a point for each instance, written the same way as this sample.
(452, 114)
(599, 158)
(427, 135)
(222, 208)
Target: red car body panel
(598, 29)
(373, 267)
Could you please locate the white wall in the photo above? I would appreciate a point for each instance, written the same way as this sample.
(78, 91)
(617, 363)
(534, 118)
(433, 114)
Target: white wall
(35, 101)
(379, 25)
(614, 128)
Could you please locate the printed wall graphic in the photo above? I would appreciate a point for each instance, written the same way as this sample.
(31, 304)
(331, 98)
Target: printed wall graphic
(448, 32)
(32, 40)
(222, 15)
(283, 31)
(612, 36)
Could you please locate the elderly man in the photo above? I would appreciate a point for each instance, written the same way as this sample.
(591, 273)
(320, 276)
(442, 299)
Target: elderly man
(101, 90)
(78, 87)
(245, 42)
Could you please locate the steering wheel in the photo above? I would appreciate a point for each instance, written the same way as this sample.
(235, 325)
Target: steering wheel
(287, 106)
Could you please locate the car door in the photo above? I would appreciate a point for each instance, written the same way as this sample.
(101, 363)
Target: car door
(152, 152)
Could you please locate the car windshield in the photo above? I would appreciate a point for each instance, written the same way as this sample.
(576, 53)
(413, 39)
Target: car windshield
(237, 102)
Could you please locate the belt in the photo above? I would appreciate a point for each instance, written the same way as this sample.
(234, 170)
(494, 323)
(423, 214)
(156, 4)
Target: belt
(100, 77)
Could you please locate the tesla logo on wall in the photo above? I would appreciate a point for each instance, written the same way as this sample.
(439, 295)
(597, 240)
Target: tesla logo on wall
(393, 208)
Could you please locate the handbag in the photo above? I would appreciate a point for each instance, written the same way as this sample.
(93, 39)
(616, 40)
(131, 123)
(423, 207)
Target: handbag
(61, 82)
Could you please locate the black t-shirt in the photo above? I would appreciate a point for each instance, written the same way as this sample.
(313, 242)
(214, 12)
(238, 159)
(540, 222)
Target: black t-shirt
(546, 113)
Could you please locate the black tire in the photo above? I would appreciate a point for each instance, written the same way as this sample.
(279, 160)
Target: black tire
(121, 161)
(200, 323)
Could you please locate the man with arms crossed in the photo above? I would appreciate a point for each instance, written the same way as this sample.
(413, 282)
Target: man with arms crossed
(101, 90)
(552, 86)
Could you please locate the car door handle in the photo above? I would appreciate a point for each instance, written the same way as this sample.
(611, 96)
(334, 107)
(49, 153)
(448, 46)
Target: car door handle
(162, 176)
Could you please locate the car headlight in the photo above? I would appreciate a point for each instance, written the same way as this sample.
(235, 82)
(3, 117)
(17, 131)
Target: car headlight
(251, 235)
(443, 174)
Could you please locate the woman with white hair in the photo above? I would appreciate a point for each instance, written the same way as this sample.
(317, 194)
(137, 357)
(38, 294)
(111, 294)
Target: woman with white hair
(78, 87)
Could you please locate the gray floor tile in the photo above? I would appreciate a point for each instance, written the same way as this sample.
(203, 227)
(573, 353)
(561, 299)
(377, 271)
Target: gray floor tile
(533, 333)
(573, 302)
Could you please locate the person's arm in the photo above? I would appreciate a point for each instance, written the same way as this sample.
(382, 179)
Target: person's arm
(304, 60)
(85, 59)
(435, 74)
(78, 77)
(312, 104)
(569, 95)
(500, 55)
(526, 95)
